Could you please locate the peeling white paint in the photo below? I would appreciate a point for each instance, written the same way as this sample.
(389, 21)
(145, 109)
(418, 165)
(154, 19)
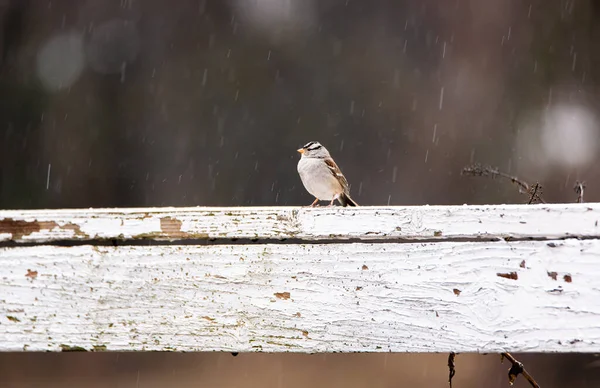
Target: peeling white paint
(342, 297)
(411, 223)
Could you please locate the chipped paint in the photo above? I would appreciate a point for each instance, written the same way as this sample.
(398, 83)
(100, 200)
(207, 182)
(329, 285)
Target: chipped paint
(372, 223)
(147, 298)
(31, 274)
(68, 348)
(171, 227)
(282, 295)
(18, 229)
(510, 275)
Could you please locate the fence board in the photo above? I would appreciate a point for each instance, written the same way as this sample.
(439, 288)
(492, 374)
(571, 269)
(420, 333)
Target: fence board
(310, 224)
(520, 296)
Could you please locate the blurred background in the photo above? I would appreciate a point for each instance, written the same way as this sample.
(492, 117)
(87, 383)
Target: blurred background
(204, 102)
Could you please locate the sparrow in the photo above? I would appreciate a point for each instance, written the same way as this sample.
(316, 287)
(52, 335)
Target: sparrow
(321, 177)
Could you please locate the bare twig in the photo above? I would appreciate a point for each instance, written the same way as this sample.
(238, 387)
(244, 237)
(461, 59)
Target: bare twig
(479, 170)
(451, 367)
(535, 194)
(579, 187)
(534, 191)
(516, 369)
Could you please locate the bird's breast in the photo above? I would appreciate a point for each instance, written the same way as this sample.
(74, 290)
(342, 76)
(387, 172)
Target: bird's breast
(317, 178)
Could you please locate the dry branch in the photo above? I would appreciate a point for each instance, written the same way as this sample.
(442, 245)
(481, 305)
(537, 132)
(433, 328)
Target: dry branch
(534, 191)
(516, 369)
(451, 367)
(579, 188)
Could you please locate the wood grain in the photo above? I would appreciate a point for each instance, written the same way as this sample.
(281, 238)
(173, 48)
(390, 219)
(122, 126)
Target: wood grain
(310, 224)
(525, 296)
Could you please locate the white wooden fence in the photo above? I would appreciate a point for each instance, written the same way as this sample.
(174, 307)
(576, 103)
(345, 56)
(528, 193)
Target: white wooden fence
(514, 278)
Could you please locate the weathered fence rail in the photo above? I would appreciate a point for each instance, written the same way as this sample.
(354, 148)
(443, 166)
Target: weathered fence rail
(407, 223)
(401, 279)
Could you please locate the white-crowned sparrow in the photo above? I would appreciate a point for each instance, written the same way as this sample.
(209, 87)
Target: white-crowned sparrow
(321, 176)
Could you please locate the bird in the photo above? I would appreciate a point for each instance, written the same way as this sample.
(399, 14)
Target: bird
(321, 177)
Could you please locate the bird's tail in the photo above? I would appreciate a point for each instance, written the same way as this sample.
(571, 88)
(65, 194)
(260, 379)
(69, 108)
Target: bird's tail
(345, 200)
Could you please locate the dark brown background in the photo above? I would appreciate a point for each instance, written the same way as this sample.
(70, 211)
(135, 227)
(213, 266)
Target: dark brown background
(192, 102)
(287, 370)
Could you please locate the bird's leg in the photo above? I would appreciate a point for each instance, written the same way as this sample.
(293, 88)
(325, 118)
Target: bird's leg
(332, 200)
(314, 203)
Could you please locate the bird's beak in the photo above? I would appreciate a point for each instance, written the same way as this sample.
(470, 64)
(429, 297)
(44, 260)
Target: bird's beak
(300, 150)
